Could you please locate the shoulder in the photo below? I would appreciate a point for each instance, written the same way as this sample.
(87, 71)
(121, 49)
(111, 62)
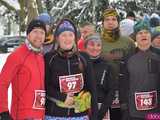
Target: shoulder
(155, 55)
(104, 62)
(18, 55)
(127, 39)
(84, 56)
(50, 56)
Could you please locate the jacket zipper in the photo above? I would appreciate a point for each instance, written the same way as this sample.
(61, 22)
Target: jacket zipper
(149, 65)
(69, 71)
(103, 75)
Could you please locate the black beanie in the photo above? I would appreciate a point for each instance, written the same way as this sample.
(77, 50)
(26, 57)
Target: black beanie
(36, 24)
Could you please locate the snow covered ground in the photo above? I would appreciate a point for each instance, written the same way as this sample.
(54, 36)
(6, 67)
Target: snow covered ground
(3, 58)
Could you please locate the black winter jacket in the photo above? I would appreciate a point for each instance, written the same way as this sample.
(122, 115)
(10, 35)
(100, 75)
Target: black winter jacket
(144, 70)
(105, 83)
(57, 65)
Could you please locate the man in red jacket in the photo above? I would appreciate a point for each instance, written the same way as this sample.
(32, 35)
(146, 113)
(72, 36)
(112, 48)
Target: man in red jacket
(24, 70)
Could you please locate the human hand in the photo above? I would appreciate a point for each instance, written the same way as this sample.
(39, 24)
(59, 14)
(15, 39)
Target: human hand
(5, 116)
(69, 99)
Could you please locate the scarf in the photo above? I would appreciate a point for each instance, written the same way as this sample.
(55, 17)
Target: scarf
(31, 47)
(66, 53)
(110, 36)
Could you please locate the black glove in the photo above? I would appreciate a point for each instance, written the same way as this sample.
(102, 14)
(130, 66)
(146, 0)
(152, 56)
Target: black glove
(5, 116)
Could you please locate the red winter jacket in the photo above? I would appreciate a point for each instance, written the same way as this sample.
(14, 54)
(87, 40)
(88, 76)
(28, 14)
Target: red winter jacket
(24, 69)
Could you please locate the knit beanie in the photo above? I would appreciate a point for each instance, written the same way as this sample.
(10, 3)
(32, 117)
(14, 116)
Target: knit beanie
(110, 12)
(65, 25)
(93, 37)
(36, 24)
(45, 17)
(141, 25)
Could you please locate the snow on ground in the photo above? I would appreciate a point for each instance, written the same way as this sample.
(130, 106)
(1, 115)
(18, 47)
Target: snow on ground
(3, 58)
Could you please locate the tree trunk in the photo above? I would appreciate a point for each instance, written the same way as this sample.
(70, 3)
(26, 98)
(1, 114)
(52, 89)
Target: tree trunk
(32, 12)
(40, 7)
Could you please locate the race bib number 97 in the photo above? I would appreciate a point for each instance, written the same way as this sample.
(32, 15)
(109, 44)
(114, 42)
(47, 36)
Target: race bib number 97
(71, 83)
(146, 100)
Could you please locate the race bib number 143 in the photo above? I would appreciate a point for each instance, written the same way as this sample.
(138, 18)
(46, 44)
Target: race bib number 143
(146, 100)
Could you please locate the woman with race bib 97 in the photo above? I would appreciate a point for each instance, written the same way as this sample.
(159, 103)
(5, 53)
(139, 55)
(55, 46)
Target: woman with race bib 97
(70, 88)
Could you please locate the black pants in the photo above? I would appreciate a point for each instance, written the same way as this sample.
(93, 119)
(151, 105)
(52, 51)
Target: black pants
(115, 114)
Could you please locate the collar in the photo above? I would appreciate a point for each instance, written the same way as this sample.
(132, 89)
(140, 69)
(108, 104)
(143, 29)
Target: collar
(31, 47)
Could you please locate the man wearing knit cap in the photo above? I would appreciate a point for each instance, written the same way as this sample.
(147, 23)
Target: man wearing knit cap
(116, 49)
(143, 80)
(24, 69)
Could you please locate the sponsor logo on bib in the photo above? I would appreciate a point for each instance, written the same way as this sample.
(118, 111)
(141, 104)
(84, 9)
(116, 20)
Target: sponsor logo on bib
(71, 83)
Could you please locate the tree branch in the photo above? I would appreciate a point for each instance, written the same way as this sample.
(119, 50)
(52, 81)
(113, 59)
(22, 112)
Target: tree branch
(8, 6)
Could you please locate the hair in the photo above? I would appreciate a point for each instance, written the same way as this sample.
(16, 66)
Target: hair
(83, 24)
(154, 22)
(130, 14)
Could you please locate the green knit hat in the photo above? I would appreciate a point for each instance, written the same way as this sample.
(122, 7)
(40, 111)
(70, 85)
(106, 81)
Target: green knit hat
(141, 25)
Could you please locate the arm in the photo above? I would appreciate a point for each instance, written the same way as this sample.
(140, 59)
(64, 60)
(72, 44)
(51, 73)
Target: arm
(109, 87)
(91, 85)
(7, 74)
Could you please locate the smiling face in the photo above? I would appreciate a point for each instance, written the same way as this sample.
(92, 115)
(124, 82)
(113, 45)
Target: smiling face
(143, 39)
(93, 48)
(36, 37)
(66, 40)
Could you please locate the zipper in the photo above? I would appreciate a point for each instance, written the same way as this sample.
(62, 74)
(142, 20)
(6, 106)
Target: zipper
(69, 66)
(149, 65)
(103, 75)
(69, 71)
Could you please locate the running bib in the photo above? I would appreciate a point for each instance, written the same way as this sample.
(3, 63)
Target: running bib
(71, 83)
(39, 100)
(146, 100)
